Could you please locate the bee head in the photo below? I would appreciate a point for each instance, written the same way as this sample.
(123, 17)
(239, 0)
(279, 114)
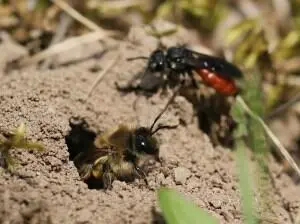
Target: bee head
(144, 142)
(157, 61)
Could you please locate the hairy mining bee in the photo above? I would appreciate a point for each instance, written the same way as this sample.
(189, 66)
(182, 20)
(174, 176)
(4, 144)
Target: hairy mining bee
(122, 153)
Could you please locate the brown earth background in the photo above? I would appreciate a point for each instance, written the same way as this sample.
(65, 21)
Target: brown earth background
(46, 188)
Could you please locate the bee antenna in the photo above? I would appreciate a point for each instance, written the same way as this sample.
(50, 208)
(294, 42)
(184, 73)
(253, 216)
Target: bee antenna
(162, 112)
(136, 58)
(161, 126)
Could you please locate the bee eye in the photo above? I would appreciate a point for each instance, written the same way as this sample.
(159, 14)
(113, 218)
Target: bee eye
(141, 143)
(144, 144)
(156, 66)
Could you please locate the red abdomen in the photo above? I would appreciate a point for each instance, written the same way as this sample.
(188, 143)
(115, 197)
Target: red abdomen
(216, 81)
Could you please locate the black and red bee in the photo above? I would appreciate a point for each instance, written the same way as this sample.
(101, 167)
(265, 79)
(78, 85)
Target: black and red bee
(177, 62)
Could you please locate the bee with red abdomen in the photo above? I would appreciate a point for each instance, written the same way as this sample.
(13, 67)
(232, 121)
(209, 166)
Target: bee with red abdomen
(177, 62)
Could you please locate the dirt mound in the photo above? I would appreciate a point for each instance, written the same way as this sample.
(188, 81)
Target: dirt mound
(46, 188)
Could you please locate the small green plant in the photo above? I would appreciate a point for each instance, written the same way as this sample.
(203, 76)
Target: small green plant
(177, 210)
(251, 134)
(245, 178)
(253, 44)
(204, 14)
(15, 139)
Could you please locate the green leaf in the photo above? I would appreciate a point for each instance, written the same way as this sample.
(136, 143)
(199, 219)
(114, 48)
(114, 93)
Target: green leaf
(239, 29)
(41, 4)
(164, 9)
(291, 39)
(273, 95)
(19, 134)
(247, 197)
(162, 33)
(288, 46)
(239, 116)
(197, 12)
(177, 210)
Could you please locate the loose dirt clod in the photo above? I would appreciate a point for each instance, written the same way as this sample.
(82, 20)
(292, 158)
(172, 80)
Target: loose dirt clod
(181, 174)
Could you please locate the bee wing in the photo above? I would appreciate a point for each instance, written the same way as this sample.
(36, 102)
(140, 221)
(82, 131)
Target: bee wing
(92, 156)
(121, 137)
(215, 64)
(116, 139)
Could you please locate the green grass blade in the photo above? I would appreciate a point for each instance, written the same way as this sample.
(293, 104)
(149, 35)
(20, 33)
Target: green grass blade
(248, 114)
(177, 210)
(241, 133)
(245, 183)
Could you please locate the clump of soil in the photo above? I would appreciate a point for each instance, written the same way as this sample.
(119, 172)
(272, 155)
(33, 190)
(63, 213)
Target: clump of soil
(46, 188)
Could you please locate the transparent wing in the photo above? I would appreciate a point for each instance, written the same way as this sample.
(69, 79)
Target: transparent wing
(215, 64)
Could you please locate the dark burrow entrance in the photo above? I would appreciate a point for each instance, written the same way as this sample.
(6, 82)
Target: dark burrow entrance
(80, 139)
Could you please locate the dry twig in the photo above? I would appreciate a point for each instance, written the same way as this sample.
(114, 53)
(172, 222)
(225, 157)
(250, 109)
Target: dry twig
(284, 106)
(66, 45)
(77, 16)
(61, 31)
(102, 74)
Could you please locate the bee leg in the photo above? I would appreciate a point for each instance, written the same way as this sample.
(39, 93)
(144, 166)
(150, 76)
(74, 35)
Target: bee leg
(195, 83)
(158, 159)
(130, 85)
(128, 88)
(164, 85)
(141, 174)
(164, 90)
(107, 179)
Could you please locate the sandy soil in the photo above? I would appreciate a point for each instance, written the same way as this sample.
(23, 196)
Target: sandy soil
(46, 188)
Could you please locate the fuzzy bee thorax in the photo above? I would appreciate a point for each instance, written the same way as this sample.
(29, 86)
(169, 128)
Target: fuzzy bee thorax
(117, 137)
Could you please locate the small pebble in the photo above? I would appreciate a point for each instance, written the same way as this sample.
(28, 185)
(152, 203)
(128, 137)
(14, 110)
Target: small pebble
(84, 216)
(216, 203)
(181, 174)
(160, 178)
